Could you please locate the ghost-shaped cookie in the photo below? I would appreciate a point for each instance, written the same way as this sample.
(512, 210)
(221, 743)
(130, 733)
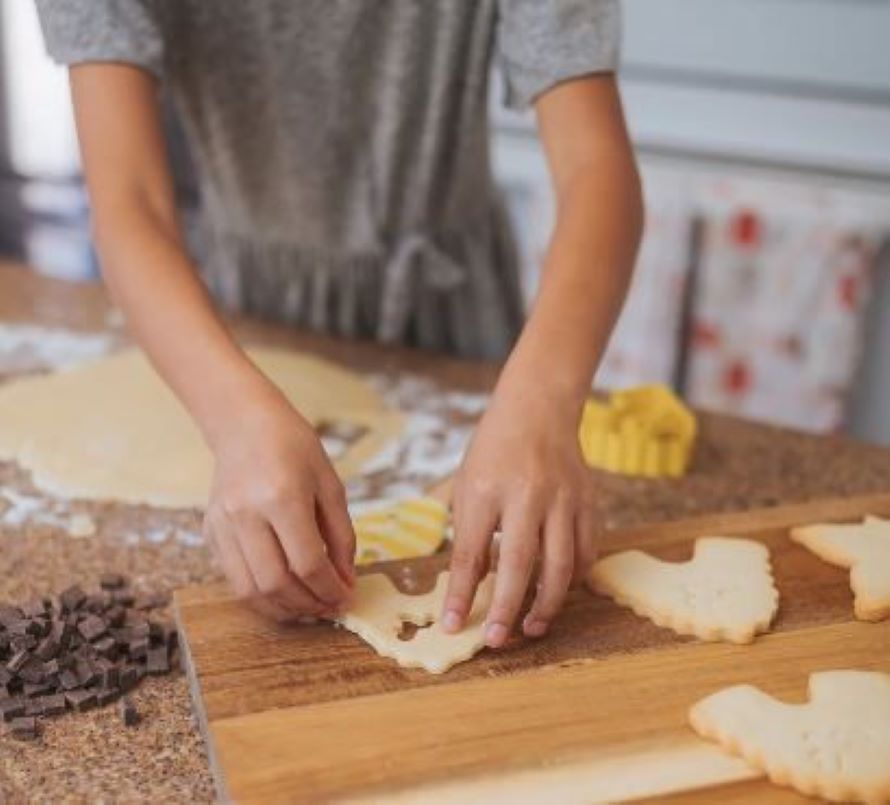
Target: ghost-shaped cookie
(864, 548)
(725, 592)
(380, 611)
(837, 746)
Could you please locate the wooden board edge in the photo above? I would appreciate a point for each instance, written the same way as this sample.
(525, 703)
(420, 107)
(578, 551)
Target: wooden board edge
(750, 521)
(624, 774)
(194, 686)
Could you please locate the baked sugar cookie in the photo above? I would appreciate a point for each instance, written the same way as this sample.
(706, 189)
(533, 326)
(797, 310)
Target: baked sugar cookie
(864, 548)
(380, 611)
(837, 746)
(725, 592)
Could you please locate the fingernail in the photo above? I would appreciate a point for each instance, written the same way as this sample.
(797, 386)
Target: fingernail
(495, 634)
(451, 621)
(535, 627)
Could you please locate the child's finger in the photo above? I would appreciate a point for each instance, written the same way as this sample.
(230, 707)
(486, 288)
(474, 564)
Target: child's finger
(519, 547)
(557, 566)
(299, 536)
(474, 524)
(337, 530)
(269, 567)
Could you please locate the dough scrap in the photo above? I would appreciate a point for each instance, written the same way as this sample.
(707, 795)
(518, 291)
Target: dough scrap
(863, 548)
(837, 746)
(414, 527)
(725, 592)
(111, 429)
(380, 610)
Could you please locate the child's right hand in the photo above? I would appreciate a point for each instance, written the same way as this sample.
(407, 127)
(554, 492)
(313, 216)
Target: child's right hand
(277, 515)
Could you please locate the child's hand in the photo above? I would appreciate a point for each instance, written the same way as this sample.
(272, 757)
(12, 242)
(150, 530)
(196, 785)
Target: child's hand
(523, 473)
(277, 515)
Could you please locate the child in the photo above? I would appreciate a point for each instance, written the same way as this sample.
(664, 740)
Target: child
(342, 147)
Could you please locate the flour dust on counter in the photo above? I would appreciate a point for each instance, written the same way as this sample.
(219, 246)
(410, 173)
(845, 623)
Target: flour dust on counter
(36, 348)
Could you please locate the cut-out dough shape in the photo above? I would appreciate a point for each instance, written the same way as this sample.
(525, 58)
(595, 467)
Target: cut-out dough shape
(837, 746)
(415, 527)
(380, 610)
(725, 592)
(111, 429)
(863, 548)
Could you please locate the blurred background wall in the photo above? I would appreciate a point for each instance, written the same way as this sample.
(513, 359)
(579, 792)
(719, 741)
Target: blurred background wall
(763, 129)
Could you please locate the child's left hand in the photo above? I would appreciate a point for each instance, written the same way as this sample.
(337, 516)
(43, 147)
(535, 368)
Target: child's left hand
(525, 475)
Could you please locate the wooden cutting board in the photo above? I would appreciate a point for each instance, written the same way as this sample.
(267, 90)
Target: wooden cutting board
(594, 712)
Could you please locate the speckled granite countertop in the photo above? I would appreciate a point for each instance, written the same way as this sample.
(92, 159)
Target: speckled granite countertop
(92, 757)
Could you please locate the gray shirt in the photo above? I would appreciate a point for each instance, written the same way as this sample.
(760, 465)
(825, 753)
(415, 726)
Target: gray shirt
(342, 146)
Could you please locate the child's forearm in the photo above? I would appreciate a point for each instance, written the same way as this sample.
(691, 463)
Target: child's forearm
(141, 249)
(594, 245)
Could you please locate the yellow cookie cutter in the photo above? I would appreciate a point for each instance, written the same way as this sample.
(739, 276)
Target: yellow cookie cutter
(410, 528)
(645, 431)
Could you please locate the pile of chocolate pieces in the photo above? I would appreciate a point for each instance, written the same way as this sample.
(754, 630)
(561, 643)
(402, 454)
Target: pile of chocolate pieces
(78, 651)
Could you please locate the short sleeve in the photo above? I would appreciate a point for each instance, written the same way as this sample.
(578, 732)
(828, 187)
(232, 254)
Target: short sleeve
(78, 31)
(543, 42)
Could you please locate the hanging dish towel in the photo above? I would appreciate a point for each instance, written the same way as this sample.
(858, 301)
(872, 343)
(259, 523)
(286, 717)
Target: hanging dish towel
(783, 284)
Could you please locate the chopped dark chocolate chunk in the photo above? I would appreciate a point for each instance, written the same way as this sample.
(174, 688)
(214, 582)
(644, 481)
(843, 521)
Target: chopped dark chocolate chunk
(24, 728)
(81, 699)
(54, 705)
(17, 661)
(26, 626)
(106, 646)
(33, 707)
(123, 597)
(98, 603)
(69, 680)
(107, 696)
(110, 677)
(112, 581)
(32, 671)
(129, 713)
(129, 677)
(157, 662)
(92, 627)
(12, 708)
(86, 673)
(61, 632)
(72, 598)
(52, 667)
(115, 615)
(139, 647)
(23, 641)
(32, 689)
(171, 636)
(48, 648)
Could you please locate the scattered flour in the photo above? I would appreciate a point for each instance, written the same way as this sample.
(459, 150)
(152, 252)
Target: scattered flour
(437, 431)
(29, 347)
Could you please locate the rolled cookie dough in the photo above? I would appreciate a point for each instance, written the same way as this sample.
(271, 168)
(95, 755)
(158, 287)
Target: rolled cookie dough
(110, 429)
(836, 746)
(725, 592)
(864, 548)
(380, 610)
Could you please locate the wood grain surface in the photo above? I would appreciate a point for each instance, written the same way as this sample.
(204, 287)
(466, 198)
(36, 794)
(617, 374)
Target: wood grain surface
(311, 712)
